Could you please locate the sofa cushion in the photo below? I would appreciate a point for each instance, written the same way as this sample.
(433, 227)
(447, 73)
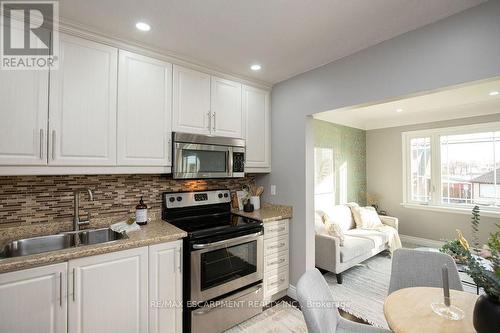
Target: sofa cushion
(366, 217)
(377, 237)
(341, 215)
(354, 247)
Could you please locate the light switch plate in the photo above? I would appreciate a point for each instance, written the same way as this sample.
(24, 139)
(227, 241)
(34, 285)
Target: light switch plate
(273, 189)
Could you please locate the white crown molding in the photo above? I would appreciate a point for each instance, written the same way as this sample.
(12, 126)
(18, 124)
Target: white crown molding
(79, 30)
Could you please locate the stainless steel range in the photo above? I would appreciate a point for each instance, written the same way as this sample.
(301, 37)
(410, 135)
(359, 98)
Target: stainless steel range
(223, 260)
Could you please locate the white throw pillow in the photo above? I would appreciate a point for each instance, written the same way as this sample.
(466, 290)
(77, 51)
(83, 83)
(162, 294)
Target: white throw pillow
(341, 215)
(366, 217)
(333, 229)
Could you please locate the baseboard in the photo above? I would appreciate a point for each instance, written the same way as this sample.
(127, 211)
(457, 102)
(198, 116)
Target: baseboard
(421, 241)
(292, 292)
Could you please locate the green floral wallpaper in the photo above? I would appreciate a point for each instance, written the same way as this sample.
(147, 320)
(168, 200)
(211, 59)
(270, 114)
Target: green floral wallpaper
(349, 151)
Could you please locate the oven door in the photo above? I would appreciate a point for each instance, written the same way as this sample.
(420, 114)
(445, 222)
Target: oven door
(224, 266)
(193, 161)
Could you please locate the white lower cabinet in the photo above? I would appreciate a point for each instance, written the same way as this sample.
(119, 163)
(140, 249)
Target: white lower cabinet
(130, 291)
(165, 287)
(109, 293)
(34, 300)
(275, 259)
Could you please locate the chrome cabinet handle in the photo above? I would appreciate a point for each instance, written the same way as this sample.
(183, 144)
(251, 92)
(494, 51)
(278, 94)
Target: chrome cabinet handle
(169, 148)
(179, 260)
(277, 229)
(41, 143)
(276, 246)
(209, 121)
(74, 284)
(281, 280)
(60, 289)
(282, 260)
(53, 145)
(213, 115)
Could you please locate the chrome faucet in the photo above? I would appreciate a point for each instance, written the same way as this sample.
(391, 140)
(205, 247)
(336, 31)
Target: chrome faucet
(76, 205)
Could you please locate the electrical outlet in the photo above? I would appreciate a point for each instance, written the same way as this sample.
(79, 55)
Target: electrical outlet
(273, 189)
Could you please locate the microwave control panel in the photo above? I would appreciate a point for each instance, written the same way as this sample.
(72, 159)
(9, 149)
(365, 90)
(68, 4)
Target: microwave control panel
(238, 162)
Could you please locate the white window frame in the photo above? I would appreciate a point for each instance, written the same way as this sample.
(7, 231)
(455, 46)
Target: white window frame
(436, 189)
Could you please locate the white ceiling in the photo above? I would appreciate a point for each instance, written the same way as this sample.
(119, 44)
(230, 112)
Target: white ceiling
(286, 37)
(458, 102)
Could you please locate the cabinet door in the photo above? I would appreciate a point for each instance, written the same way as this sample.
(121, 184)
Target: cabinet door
(144, 111)
(109, 293)
(257, 131)
(227, 115)
(83, 104)
(34, 300)
(23, 115)
(165, 288)
(191, 101)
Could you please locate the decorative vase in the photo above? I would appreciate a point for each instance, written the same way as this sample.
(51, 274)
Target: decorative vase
(486, 317)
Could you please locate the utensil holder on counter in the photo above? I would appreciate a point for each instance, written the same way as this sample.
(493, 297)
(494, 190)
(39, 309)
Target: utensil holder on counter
(255, 201)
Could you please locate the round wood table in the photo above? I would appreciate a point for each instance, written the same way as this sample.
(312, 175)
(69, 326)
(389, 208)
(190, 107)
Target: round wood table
(409, 310)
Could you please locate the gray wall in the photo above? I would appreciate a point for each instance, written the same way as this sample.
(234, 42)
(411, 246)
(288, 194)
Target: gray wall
(458, 49)
(384, 177)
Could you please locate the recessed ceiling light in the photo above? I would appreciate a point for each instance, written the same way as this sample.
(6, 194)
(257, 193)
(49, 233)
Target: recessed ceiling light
(399, 110)
(143, 26)
(494, 93)
(255, 67)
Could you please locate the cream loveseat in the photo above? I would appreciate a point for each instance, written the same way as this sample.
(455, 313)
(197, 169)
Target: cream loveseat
(359, 244)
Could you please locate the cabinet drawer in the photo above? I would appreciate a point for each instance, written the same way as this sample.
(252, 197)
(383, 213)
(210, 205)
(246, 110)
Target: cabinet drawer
(274, 283)
(276, 228)
(275, 261)
(275, 245)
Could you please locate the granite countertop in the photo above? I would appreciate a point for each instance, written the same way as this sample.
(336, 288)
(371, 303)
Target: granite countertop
(156, 231)
(268, 213)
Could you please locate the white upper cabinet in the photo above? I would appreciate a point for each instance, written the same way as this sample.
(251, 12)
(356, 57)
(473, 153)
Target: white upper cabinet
(191, 101)
(227, 115)
(144, 111)
(83, 104)
(257, 132)
(23, 117)
(34, 300)
(109, 293)
(23, 114)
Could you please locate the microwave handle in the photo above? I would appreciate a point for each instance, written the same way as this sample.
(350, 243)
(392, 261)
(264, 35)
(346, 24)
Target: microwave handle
(230, 162)
(222, 242)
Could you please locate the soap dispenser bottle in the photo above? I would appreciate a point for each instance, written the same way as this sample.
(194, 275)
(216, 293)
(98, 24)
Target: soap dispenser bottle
(141, 213)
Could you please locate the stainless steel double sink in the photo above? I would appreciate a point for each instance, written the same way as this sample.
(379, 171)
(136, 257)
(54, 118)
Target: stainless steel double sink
(65, 240)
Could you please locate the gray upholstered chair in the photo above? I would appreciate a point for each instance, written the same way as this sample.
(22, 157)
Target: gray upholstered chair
(319, 309)
(416, 268)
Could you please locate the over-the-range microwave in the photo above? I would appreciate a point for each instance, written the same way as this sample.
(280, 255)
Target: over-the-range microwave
(201, 156)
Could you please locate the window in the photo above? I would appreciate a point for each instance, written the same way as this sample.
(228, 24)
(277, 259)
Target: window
(456, 167)
(324, 178)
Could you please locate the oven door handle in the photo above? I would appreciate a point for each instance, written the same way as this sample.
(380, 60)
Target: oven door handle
(226, 241)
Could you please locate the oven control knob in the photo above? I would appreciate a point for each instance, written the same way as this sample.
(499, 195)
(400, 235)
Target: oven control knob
(171, 199)
(225, 195)
(220, 195)
(179, 198)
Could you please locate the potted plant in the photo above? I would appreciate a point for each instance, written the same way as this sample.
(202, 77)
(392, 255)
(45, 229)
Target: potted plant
(458, 249)
(483, 267)
(487, 309)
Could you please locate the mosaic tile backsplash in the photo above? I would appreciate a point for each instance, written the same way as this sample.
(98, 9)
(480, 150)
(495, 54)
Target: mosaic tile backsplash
(35, 200)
